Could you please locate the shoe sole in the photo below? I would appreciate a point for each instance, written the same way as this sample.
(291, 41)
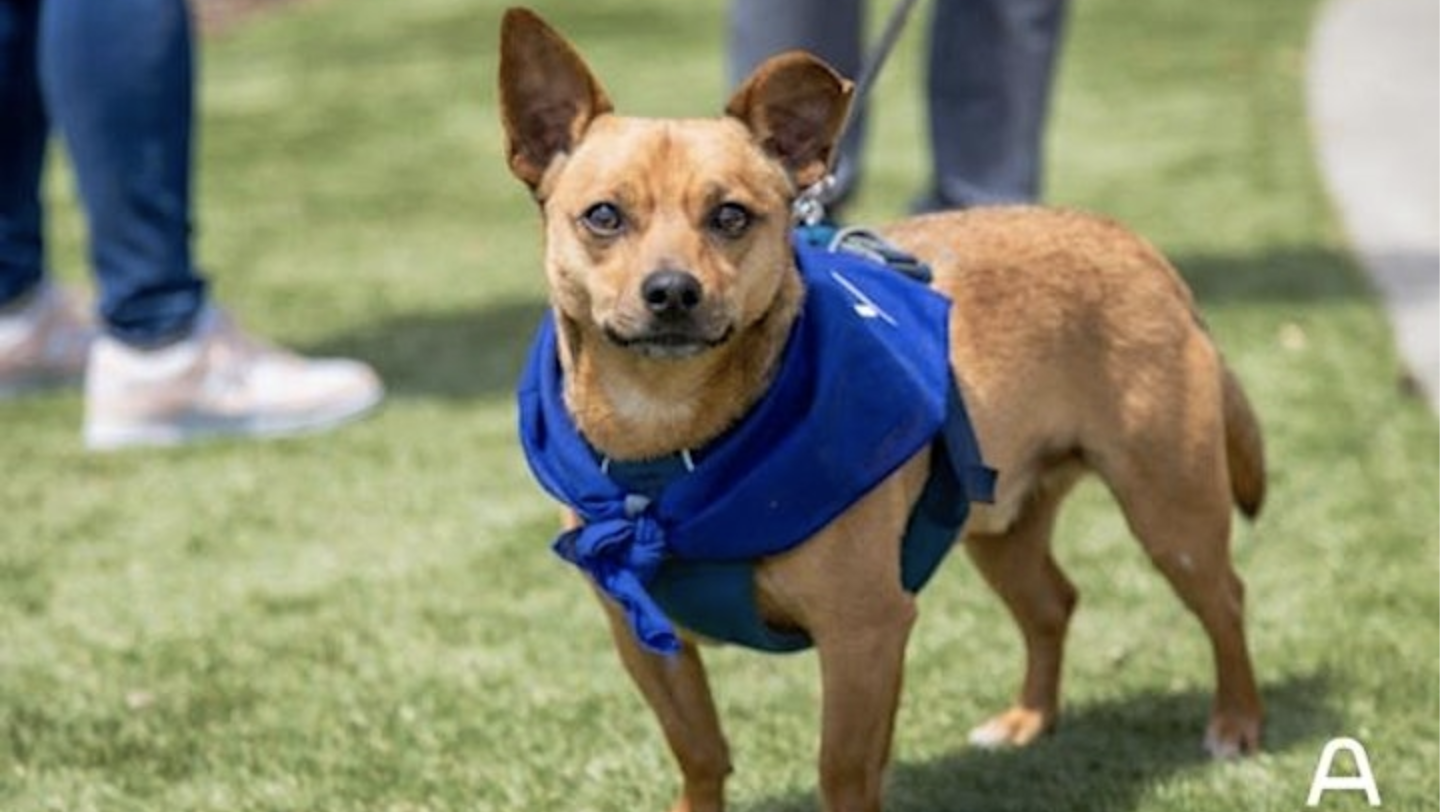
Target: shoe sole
(194, 428)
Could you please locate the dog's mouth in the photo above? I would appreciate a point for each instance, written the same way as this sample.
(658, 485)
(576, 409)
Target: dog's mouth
(669, 342)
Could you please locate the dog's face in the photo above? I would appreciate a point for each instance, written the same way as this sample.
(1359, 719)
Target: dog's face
(666, 238)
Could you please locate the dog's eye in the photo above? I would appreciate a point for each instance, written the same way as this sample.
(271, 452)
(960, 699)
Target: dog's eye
(604, 220)
(730, 220)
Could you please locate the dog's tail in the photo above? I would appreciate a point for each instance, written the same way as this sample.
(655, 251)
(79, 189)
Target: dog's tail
(1246, 459)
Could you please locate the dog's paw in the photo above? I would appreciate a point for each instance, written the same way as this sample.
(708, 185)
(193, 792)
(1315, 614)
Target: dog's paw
(1232, 736)
(1016, 727)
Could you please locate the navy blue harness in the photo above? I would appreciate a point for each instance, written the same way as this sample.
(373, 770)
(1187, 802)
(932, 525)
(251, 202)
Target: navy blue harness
(864, 384)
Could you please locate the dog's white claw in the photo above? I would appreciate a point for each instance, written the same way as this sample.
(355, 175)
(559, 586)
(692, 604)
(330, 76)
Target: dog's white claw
(1017, 727)
(1221, 750)
(991, 736)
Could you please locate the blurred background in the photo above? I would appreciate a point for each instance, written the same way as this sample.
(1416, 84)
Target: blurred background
(372, 619)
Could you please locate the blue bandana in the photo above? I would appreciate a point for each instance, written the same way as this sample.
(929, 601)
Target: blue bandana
(864, 384)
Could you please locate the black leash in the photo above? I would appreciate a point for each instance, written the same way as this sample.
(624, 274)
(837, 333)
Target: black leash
(810, 206)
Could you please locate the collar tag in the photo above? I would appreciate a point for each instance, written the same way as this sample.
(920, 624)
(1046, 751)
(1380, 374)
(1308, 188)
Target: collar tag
(635, 504)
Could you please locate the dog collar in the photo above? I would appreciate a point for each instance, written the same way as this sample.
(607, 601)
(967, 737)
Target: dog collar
(864, 384)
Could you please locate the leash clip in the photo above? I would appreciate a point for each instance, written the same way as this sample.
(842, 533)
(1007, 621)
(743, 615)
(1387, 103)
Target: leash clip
(809, 208)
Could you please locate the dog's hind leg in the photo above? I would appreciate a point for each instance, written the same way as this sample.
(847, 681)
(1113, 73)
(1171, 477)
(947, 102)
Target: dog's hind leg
(678, 692)
(1175, 492)
(1018, 565)
(1188, 542)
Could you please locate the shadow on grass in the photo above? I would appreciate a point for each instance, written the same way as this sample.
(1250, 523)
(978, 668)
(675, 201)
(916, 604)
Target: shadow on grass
(1297, 274)
(1102, 757)
(457, 355)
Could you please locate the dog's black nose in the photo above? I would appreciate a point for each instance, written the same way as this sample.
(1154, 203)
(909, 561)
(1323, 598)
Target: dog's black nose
(671, 292)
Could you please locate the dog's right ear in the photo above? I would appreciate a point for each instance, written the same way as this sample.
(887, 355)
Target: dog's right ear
(548, 95)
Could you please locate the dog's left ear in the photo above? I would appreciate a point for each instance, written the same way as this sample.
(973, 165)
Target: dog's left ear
(548, 95)
(795, 105)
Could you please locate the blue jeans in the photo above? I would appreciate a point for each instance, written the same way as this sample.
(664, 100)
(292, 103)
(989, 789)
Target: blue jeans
(116, 79)
(989, 73)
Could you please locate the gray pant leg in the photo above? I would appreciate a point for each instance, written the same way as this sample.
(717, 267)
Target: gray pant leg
(830, 29)
(989, 81)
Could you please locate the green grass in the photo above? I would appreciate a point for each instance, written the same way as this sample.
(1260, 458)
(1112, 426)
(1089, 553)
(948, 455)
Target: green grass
(372, 621)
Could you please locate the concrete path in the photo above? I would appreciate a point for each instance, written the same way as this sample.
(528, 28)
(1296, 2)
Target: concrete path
(1373, 100)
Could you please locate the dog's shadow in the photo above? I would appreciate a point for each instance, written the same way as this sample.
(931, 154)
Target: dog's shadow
(1103, 756)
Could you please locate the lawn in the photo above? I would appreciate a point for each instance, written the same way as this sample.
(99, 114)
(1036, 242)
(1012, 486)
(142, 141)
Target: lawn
(372, 620)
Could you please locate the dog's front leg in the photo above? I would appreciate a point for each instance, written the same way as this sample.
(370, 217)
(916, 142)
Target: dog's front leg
(861, 676)
(844, 587)
(678, 692)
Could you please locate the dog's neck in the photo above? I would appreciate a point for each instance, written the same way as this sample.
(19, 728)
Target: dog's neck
(630, 407)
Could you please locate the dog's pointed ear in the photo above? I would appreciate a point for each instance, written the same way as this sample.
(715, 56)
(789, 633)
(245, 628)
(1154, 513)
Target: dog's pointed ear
(795, 105)
(548, 95)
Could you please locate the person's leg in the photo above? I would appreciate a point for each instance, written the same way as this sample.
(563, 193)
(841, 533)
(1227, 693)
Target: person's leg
(44, 334)
(830, 29)
(22, 153)
(989, 82)
(117, 78)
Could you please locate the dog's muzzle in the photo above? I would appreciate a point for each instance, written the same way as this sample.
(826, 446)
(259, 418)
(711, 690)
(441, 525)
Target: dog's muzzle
(676, 322)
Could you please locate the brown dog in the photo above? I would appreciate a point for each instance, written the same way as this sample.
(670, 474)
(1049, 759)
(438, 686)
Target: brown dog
(1076, 345)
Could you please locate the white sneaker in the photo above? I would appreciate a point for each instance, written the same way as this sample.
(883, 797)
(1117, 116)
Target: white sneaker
(217, 382)
(44, 343)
